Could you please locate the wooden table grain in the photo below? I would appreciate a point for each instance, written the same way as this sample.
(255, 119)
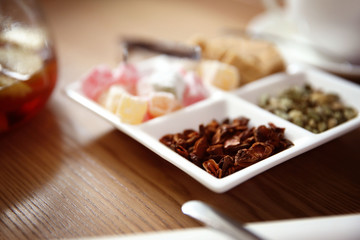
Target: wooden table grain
(69, 174)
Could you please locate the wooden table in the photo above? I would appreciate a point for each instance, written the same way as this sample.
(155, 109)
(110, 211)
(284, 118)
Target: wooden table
(68, 173)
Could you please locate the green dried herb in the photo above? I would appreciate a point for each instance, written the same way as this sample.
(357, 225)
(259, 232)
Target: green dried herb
(309, 108)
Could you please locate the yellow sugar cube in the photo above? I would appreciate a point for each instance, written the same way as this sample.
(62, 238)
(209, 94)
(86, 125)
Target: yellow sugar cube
(110, 100)
(131, 109)
(221, 75)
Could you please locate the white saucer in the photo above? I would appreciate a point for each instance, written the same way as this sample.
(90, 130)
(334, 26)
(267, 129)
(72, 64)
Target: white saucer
(345, 227)
(294, 47)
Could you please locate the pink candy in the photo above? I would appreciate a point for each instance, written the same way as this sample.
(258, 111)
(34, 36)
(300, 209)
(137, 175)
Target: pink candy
(100, 78)
(127, 76)
(96, 81)
(194, 89)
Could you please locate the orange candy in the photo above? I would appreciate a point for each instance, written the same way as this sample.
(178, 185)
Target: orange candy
(162, 103)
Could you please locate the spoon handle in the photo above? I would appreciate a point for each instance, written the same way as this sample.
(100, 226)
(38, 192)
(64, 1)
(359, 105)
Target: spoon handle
(164, 47)
(217, 220)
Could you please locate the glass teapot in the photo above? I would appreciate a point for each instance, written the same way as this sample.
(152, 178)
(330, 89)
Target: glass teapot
(28, 66)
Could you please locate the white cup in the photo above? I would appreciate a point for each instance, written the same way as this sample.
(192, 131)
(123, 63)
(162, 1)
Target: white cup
(332, 26)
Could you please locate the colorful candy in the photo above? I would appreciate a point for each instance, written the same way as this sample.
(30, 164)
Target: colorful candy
(219, 74)
(127, 76)
(168, 80)
(131, 109)
(161, 103)
(97, 81)
(135, 96)
(111, 99)
(100, 78)
(194, 89)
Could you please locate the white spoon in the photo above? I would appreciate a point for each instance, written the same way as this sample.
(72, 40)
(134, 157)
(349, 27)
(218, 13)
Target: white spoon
(217, 220)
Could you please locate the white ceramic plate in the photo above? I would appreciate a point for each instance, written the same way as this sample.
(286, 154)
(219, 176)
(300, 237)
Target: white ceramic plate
(293, 46)
(345, 227)
(221, 105)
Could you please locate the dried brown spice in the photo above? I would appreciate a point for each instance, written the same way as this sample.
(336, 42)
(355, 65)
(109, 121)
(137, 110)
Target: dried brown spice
(222, 148)
(212, 167)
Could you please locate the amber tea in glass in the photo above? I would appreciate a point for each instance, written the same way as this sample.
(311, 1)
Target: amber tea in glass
(28, 67)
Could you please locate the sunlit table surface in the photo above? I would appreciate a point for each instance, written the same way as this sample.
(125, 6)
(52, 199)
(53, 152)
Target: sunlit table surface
(69, 173)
